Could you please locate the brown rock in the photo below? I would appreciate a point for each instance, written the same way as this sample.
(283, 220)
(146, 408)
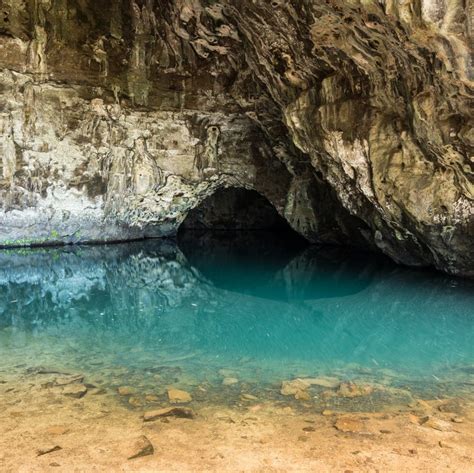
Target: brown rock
(141, 447)
(437, 424)
(79, 378)
(177, 396)
(354, 390)
(248, 397)
(126, 390)
(47, 449)
(135, 401)
(349, 424)
(76, 391)
(151, 398)
(229, 381)
(183, 412)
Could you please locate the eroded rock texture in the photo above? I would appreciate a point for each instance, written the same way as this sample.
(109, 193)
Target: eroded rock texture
(353, 118)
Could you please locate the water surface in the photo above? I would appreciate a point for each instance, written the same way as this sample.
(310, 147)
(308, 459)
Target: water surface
(154, 315)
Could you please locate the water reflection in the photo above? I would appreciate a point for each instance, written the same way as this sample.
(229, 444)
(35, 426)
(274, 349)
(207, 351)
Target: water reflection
(279, 312)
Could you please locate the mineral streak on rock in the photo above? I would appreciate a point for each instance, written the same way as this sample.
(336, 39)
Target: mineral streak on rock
(353, 118)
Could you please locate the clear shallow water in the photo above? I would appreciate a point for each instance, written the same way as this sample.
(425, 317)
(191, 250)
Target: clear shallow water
(152, 315)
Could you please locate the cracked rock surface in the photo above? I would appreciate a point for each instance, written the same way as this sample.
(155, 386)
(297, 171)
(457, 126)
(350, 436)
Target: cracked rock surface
(353, 118)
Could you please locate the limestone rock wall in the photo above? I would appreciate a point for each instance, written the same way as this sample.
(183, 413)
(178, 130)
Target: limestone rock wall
(353, 118)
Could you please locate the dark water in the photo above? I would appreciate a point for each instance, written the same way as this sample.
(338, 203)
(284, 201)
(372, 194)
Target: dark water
(152, 315)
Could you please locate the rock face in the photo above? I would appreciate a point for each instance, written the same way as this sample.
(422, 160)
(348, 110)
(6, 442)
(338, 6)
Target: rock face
(352, 118)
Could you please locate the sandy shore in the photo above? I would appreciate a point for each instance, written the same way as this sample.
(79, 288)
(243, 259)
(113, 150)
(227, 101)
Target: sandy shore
(46, 427)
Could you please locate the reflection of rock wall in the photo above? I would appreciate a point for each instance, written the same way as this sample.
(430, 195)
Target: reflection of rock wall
(352, 118)
(62, 280)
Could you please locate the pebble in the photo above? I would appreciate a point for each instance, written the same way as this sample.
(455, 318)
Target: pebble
(347, 424)
(324, 381)
(69, 380)
(141, 447)
(179, 396)
(354, 390)
(229, 381)
(443, 444)
(457, 419)
(248, 397)
(76, 391)
(47, 449)
(437, 424)
(183, 412)
(135, 401)
(126, 390)
(151, 398)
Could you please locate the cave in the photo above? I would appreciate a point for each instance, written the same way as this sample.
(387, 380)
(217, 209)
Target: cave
(238, 227)
(233, 209)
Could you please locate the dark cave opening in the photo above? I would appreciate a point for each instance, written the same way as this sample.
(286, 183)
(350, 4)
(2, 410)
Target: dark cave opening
(235, 209)
(240, 227)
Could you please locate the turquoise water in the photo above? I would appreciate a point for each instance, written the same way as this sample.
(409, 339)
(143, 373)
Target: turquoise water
(152, 314)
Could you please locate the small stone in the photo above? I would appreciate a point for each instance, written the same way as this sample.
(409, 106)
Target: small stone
(126, 390)
(324, 381)
(47, 449)
(453, 405)
(151, 398)
(437, 424)
(291, 388)
(303, 438)
(347, 424)
(457, 419)
(327, 412)
(183, 412)
(328, 395)
(354, 390)
(385, 431)
(76, 391)
(309, 429)
(303, 396)
(141, 447)
(79, 378)
(178, 396)
(135, 401)
(229, 381)
(248, 397)
(423, 404)
(443, 444)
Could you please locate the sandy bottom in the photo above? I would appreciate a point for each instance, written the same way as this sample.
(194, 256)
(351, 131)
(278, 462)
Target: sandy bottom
(43, 427)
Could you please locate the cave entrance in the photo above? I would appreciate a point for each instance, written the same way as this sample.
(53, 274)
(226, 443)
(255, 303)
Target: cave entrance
(235, 209)
(241, 229)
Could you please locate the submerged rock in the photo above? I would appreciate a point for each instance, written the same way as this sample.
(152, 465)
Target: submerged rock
(350, 425)
(76, 391)
(179, 396)
(126, 390)
(229, 381)
(354, 390)
(183, 412)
